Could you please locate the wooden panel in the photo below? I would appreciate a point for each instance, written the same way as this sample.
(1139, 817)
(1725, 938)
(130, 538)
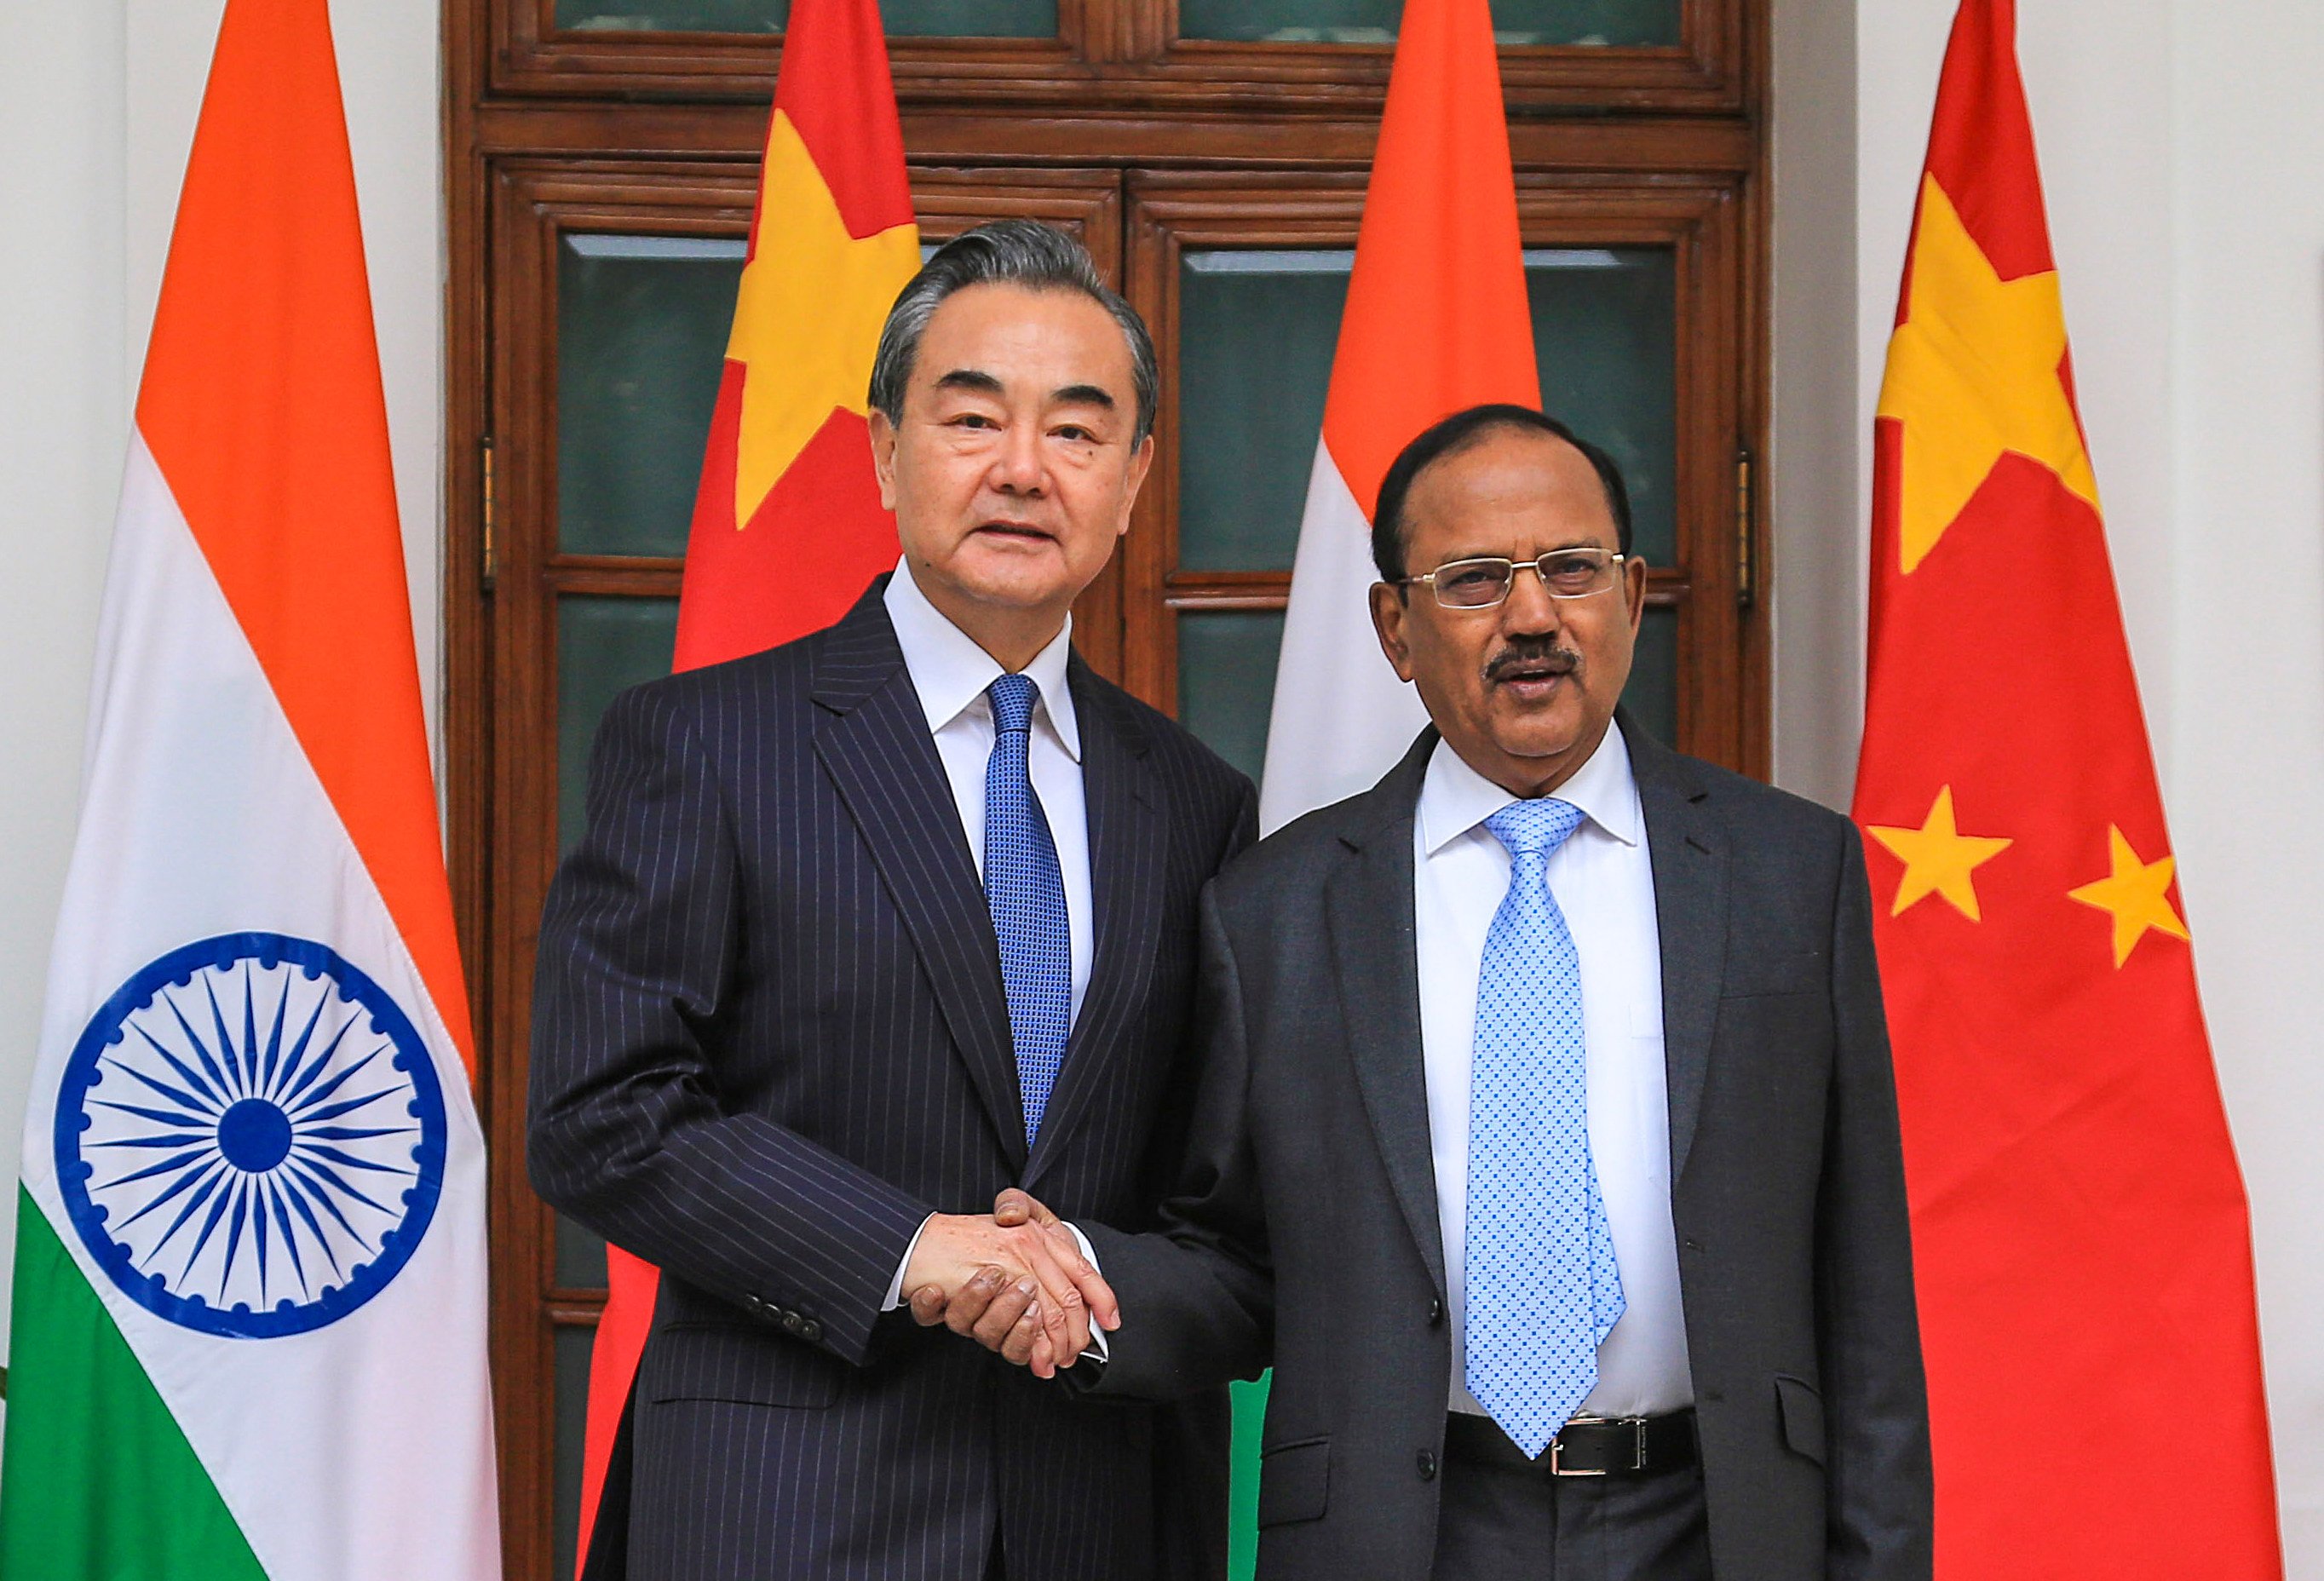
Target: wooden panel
(1124, 53)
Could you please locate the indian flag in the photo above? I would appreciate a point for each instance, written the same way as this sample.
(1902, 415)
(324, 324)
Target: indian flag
(250, 1282)
(1436, 320)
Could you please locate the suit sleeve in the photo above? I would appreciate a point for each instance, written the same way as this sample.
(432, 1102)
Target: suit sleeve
(1198, 1294)
(1880, 1516)
(628, 1132)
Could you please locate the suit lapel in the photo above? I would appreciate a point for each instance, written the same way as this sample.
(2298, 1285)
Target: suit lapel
(1369, 911)
(1690, 862)
(874, 741)
(1129, 840)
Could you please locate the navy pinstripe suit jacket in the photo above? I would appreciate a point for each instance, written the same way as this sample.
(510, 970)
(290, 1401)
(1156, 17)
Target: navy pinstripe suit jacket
(769, 1038)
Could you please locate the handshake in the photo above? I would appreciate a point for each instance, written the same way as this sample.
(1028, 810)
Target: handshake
(1017, 1284)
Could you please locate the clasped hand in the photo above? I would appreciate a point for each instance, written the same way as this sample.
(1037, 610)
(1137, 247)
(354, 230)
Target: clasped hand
(1017, 1284)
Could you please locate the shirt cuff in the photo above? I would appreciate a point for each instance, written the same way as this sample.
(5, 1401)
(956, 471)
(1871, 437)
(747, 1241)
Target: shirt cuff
(1097, 1351)
(895, 1297)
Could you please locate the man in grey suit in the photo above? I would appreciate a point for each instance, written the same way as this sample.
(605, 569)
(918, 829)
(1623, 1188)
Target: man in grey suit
(1547, 1144)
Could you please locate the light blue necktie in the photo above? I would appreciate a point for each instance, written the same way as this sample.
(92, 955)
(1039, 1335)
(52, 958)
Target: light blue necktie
(1543, 1290)
(1026, 890)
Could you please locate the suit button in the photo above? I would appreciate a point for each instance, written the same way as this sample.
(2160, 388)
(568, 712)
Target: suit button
(792, 1323)
(1435, 1313)
(1428, 1466)
(811, 1331)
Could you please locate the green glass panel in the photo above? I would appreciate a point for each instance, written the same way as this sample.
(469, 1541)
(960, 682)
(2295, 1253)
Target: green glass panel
(580, 1256)
(1256, 329)
(1256, 334)
(569, 1391)
(1226, 680)
(1605, 328)
(603, 645)
(903, 19)
(641, 325)
(1652, 694)
(1600, 23)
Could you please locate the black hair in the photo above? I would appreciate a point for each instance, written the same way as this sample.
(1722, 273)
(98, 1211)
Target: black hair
(1463, 431)
(1014, 252)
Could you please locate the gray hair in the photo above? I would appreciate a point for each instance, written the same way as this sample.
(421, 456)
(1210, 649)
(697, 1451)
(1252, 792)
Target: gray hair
(1009, 251)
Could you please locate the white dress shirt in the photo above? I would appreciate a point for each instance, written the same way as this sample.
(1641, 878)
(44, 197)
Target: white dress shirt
(1603, 879)
(951, 673)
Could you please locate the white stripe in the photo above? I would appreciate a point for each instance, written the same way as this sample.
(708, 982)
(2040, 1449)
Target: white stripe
(361, 1450)
(1342, 718)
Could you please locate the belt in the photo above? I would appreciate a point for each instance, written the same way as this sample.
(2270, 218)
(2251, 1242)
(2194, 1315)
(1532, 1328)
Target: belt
(1588, 1446)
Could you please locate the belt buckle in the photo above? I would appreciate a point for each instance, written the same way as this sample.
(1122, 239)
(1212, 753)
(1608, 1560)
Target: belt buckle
(1637, 1425)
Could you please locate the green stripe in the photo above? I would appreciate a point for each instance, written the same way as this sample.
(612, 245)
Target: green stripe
(98, 1482)
(1250, 1401)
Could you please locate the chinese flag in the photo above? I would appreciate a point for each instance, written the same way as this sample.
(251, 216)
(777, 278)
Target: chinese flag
(787, 527)
(2079, 1228)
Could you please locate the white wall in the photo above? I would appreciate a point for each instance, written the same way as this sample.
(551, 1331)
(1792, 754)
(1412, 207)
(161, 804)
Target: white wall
(98, 105)
(64, 412)
(2179, 143)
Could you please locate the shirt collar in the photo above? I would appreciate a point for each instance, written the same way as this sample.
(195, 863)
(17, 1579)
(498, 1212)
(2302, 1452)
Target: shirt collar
(1454, 798)
(950, 671)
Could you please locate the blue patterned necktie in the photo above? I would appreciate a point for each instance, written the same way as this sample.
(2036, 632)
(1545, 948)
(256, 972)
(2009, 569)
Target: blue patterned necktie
(1543, 1290)
(1026, 890)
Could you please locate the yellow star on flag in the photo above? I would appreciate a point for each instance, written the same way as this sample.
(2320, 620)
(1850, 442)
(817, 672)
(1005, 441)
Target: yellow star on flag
(807, 316)
(2136, 892)
(1938, 859)
(1973, 372)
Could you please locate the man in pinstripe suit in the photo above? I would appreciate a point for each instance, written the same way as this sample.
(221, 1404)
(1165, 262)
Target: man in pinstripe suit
(865, 929)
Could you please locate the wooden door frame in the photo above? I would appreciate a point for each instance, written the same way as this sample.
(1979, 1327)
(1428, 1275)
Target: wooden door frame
(643, 123)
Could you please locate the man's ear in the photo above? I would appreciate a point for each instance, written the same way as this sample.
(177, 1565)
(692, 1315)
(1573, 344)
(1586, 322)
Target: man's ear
(1390, 609)
(883, 456)
(1142, 461)
(1634, 578)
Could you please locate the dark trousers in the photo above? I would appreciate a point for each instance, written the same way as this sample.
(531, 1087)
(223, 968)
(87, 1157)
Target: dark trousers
(1505, 1523)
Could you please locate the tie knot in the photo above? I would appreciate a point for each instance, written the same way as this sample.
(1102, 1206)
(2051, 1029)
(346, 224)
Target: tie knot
(1012, 704)
(1535, 828)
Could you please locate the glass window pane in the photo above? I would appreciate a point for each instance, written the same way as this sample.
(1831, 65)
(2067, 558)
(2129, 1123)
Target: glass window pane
(1256, 332)
(1652, 694)
(904, 19)
(1226, 680)
(641, 325)
(603, 646)
(1605, 327)
(1373, 21)
(580, 1256)
(570, 1393)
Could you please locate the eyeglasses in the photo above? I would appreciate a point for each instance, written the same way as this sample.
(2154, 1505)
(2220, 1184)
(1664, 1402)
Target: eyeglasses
(1485, 582)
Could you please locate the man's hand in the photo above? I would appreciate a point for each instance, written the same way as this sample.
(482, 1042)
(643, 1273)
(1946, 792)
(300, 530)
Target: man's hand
(1018, 1285)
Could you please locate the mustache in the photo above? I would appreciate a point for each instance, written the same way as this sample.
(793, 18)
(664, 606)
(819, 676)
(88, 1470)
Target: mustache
(1537, 654)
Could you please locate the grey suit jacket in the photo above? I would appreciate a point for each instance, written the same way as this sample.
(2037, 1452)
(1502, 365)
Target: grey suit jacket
(1304, 1229)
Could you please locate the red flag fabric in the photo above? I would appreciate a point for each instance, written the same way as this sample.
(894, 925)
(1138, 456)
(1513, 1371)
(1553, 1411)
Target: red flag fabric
(788, 526)
(2080, 1235)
